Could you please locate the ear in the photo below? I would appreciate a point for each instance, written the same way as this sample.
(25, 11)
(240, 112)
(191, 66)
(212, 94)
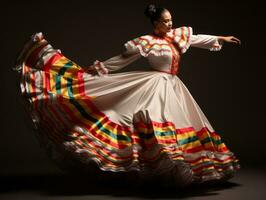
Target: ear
(155, 23)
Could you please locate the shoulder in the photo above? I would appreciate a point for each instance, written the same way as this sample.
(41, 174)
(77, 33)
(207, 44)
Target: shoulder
(148, 44)
(182, 37)
(185, 31)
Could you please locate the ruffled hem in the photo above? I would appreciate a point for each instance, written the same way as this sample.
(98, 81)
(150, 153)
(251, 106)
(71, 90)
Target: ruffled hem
(155, 157)
(177, 166)
(181, 170)
(217, 46)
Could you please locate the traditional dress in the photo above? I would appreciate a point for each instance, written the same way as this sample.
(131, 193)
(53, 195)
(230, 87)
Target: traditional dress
(144, 121)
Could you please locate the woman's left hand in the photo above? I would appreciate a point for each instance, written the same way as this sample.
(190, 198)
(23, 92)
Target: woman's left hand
(229, 39)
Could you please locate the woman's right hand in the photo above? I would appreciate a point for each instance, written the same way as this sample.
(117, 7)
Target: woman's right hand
(100, 68)
(229, 39)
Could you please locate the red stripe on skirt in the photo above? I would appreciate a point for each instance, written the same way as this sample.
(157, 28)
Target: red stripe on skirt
(81, 86)
(91, 129)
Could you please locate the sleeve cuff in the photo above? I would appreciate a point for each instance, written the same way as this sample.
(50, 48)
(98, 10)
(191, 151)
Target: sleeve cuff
(217, 46)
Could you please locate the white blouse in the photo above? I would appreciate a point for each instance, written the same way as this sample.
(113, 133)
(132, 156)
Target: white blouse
(163, 53)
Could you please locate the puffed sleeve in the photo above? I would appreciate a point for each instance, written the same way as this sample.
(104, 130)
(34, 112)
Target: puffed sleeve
(182, 37)
(185, 38)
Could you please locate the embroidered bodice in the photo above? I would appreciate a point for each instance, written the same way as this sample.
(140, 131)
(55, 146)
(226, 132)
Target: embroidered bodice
(163, 53)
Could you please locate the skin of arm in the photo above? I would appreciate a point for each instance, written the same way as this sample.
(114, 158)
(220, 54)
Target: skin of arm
(229, 39)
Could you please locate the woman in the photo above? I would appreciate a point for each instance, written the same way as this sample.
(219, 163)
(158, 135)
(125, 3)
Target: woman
(142, 121)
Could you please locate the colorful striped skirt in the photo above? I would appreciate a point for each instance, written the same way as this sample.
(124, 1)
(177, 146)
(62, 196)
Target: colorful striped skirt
(142, 121)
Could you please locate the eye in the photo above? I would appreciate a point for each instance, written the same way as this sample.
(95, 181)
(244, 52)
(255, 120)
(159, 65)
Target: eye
(167, 21)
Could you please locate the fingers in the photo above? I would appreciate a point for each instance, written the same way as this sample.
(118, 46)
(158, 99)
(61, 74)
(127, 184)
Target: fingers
(96, 62)
(103, 68)
(235, 40)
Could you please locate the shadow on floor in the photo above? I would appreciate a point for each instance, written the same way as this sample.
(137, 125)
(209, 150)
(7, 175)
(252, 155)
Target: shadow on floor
(65, 185)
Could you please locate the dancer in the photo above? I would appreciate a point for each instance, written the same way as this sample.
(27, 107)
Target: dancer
(142, 121)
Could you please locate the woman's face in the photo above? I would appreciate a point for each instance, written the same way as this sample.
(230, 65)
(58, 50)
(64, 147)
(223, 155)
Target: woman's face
(164, 24)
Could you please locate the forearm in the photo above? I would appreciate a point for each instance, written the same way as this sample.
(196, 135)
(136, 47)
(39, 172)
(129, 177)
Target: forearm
(229, 39)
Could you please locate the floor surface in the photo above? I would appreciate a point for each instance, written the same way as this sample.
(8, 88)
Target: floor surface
(248, 183)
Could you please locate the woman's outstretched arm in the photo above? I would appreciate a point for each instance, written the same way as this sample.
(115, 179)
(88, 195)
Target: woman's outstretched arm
(113, 64)
(211, 42)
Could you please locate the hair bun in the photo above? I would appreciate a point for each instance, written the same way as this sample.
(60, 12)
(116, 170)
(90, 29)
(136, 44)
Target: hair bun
(150, 10)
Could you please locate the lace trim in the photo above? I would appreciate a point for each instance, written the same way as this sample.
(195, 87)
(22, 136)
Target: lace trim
(182, 37)
(157, 46)
(144, 51)
(217, 46)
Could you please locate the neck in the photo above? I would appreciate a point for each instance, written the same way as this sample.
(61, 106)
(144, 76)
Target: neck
(159, 33)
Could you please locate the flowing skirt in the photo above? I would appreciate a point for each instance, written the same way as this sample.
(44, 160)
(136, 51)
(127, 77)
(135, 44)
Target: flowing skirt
(142, 121)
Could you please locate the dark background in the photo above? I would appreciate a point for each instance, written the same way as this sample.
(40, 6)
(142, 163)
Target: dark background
(228, 85)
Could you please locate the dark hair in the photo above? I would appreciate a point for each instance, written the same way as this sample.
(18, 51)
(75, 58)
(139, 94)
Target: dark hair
(154, 13)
